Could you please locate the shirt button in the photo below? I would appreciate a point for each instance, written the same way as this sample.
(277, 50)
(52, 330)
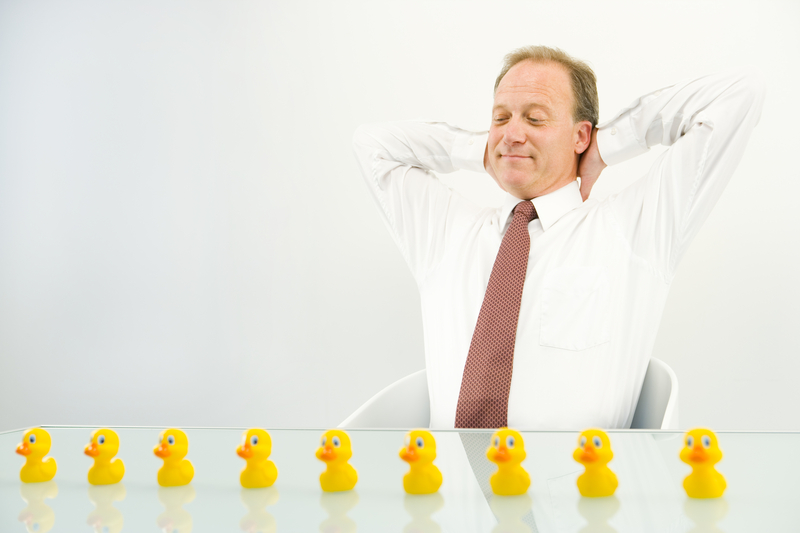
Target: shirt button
(613, 131)
(470, 141)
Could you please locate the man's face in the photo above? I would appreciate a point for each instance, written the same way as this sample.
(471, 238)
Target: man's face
(533, 141)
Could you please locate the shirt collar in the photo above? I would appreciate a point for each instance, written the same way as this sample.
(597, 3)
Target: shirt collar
(549, 207)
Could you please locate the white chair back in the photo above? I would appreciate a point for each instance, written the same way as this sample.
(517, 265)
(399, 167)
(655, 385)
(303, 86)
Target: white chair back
(405, 403)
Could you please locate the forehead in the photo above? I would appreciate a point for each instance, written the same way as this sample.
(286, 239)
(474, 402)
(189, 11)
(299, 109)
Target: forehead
(529, 83)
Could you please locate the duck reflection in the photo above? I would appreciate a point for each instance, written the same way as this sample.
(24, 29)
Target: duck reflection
(705, 513)
(175, 519)
(257, 519)
(38, 516)
(337, 505)
(421, 507)
(510, 511)
(106, 518)
(597, 512)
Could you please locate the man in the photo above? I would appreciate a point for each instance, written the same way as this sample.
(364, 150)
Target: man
(580, 285)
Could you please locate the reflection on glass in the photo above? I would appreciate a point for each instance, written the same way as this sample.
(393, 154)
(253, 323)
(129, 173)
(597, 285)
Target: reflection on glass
(175, 519)
(597, 512)
(106, 518)
(37, 516)
(257, 519)
(421, 507)
(509, 511)
(338, 504)
(706, 513)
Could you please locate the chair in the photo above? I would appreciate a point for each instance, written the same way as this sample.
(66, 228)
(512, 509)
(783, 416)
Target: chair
(405, 403)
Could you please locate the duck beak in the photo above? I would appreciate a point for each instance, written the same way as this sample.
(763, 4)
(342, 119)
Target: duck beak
(589, 454)
(92, 450)
(162, 450)
(409, 454)
(245, 452)
(698, 454)
(24, 449)
(327, 453)
(502, 455)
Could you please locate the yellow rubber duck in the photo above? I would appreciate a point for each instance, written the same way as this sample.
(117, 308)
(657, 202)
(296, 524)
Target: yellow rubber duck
(702, 453)
(594, 452)
(103, 447)
(335, 451)
(507, 452)
(35, 445)
(419, 452)
(173, 447)
(259, 472)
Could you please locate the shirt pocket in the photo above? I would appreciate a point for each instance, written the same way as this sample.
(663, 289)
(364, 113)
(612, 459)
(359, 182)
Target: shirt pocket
(575, 308)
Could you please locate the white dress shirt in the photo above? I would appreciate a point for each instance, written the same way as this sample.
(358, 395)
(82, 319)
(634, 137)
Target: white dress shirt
(598, 273)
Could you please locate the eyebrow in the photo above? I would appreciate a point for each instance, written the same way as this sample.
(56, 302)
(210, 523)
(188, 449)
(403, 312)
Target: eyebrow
(526, 108)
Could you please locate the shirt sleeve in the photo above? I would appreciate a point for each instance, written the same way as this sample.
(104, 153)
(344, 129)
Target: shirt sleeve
(397, 161)
(706, 122)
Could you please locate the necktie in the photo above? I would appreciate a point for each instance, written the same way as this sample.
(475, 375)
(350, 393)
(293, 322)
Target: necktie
(483, 400)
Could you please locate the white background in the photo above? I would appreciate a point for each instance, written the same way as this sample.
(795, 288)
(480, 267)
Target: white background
(185, 238)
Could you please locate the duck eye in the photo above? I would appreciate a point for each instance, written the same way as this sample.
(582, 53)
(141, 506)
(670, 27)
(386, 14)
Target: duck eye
(583, 442)
(336, 441)
(101, 439)
(510, 441)
(496, 442)
(32, 439)
(324, 440)
(420, 442)
(706, 440)
(597, 442)
(254, 440)
(690, 441)
(171, 439)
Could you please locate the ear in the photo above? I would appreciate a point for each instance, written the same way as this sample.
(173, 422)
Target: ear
(583, 136)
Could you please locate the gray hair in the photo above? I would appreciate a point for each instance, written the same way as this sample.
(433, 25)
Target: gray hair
(586, 105)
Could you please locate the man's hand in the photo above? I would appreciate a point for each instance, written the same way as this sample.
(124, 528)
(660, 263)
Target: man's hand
(590, 166)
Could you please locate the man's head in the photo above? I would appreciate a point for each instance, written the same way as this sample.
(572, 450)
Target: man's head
(545, 106)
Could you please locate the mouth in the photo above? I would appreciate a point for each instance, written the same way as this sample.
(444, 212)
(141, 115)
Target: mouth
(22, 449)
(161, 451)
(245, 452)
(92, 450)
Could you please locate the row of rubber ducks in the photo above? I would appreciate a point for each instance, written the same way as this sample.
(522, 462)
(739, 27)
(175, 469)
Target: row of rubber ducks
(506, 450)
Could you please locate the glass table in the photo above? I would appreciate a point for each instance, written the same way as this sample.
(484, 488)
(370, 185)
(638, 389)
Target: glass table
(762, 470)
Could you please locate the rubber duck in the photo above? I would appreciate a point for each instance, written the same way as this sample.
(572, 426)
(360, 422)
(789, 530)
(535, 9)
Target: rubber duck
(35, 445)
(507, 451)
(172, 448)
(594, 452)
(702, 453)
(259, 472)
(419, 452)
(335, 451)
(103, 446)
(106, 518)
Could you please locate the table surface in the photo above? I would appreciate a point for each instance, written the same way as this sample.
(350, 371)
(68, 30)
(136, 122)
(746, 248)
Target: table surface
(761, 469)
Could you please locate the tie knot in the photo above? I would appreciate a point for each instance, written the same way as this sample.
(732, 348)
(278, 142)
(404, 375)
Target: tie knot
(526, 208)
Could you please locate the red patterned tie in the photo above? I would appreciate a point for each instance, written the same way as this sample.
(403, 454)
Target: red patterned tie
(483, 400)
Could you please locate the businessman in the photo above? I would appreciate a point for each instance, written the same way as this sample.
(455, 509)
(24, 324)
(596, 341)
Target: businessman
(542, 313)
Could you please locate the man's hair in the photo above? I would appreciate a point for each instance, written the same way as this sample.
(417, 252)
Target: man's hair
(584, 83)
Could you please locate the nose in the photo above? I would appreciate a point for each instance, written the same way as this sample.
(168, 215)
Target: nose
(514, 133)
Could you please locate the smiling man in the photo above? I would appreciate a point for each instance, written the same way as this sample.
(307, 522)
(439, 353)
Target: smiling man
(542, 313)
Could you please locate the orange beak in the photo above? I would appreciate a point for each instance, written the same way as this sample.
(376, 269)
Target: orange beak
(409, 454)
(23, 449)
(698, 454)
(502, 455)
(327, 454)
(92, 450)
(589, 453)
(162, 450)
(245, 452)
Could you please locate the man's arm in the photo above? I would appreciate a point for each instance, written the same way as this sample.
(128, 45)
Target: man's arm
(706, 122)
(396, 160)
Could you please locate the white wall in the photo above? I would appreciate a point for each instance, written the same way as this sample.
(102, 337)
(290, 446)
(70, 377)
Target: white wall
(185, 238)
